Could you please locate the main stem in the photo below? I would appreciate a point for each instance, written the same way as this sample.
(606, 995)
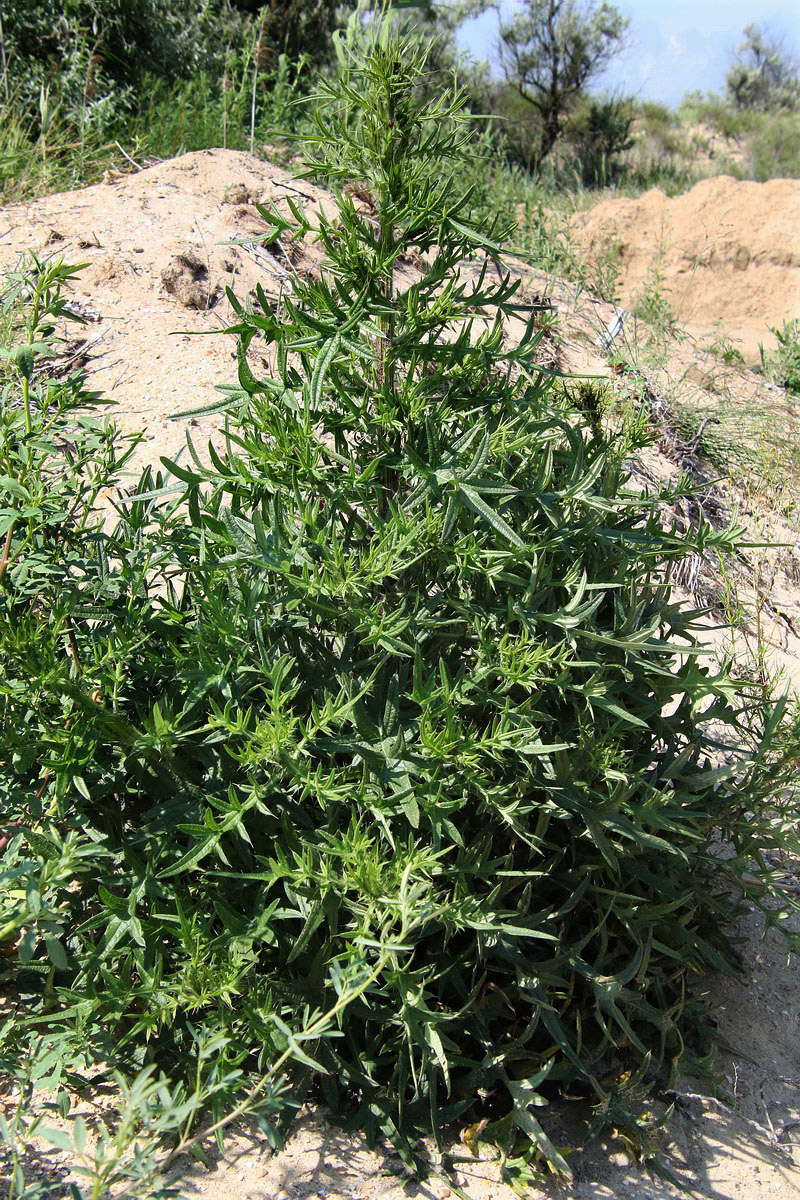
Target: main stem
(26, 400)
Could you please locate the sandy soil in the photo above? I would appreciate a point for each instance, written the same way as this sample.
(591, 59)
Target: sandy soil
(728, 250)
(157, 267)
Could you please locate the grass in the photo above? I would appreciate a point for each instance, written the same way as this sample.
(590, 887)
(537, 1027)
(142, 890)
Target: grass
(166, 120)
(782, 365)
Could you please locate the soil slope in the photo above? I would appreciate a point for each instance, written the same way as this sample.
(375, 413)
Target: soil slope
(158, 260)
(727, 250)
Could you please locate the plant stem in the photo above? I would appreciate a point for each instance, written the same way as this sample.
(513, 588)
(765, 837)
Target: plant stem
(3, 58)
(73, 645)
(256, 56)
(226, 83)
(26, 400)
(6, 549)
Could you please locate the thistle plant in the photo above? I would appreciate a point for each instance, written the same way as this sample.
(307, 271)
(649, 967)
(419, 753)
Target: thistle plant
(385, 697)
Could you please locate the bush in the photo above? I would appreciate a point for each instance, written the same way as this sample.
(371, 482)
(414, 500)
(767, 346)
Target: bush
(371, 747)
(714, 110)
(763, 77)
(157, 76)
(599, 131)
(782, 365)
(774, 147)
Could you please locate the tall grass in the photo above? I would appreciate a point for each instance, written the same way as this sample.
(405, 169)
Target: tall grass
(167, 119)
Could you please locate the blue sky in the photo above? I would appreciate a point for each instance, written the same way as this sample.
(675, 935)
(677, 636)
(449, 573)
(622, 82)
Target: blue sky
(673, 46)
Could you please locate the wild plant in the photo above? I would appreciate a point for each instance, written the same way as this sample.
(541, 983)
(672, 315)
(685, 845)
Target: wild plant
(723, 347)
(653, 305)
(782, 365)
(369, 747)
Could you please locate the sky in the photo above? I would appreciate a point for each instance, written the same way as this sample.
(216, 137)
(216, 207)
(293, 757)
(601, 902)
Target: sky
(673, 46)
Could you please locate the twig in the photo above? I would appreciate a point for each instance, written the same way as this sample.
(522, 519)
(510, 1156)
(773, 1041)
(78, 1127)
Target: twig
(751, 881)
(257, 51)
(125, 154)
(3, 59)
(726, 1108)
(698, 437)
(279, 183)
(6, 549)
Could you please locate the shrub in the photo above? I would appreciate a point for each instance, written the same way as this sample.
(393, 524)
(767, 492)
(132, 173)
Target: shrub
(159, 77)
(714, 110)
(763, 76)
(774, 147)
(782, 365)
(371, 745)
(599, 131)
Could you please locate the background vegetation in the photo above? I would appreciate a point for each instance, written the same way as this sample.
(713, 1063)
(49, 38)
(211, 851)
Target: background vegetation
(102, 81)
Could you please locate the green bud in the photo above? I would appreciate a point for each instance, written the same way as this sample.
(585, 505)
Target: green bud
(23, 361)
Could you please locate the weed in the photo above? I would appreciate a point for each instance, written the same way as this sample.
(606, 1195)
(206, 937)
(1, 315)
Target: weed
(782, 365)
(370, 753)
(723, 347)
(652, 305)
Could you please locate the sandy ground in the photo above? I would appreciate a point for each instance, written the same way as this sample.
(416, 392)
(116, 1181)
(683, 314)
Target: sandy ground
(727, 250)
(157, 268)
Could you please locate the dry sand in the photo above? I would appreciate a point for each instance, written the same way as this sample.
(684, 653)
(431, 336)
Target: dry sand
(728, 250)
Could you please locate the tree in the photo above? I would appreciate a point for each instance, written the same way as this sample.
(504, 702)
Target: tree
(552, 49)
(763, 75)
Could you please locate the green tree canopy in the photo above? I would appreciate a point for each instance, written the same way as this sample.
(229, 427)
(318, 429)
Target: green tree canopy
(763, 76)
(551, 49)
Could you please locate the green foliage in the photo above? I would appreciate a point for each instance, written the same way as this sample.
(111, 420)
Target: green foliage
(782, 365)
(93, 52)
(598, 132)
(715, 110)
(368, 749)
(763, 76)
(724, 348)
(774, 147)
(551, 50)
(653, 304)
(99, 47)
(295, 27)
(160, 77)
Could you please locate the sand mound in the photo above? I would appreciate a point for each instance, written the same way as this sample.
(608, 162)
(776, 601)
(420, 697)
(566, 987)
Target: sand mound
(728, 250)
(158, 257)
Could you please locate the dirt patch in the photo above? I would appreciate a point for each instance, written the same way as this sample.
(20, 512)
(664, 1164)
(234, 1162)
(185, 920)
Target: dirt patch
(727, 250)
(186, 277)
